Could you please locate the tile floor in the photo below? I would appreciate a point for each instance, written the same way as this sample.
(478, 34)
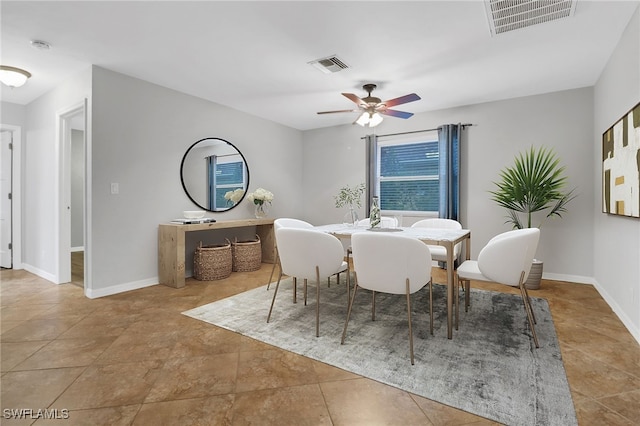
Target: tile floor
(133, 359)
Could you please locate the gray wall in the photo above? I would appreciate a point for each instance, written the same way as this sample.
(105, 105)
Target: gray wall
(41, 199)
(616, 249)
(336, 156)
(140, 131)
(12, 114)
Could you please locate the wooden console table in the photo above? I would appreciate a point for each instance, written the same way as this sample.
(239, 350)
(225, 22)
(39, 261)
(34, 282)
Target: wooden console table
(171, 245)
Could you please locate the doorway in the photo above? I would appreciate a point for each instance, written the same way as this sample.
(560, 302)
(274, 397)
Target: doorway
(11, 232)
(6, 204)
(77, 199)
(72, 207)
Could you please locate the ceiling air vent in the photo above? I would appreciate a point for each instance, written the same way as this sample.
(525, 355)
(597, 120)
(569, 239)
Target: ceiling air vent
(509, 15)
(329, 64)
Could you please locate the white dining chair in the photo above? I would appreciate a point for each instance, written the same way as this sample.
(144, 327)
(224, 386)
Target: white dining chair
(393, 264)
(286, 222)
(385, 222)
(506, 259)
(300, 224)
(308, 254)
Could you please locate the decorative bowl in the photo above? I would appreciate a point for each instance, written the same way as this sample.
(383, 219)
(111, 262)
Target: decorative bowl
(193, 214)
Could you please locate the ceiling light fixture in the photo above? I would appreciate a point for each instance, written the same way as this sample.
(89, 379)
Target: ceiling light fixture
(12, 76)
(369, 118)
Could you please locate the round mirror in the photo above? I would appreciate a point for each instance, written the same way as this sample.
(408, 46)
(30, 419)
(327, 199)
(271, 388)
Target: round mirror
(214, 174)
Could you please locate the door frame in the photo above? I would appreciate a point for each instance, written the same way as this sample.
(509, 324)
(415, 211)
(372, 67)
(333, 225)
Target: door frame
(16, 194)
(63, 187)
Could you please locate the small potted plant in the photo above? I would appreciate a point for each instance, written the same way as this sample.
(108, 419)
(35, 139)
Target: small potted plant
(535, 183)
(350, 197)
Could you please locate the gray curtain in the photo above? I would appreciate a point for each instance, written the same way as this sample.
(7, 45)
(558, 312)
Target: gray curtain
(449, 170)
(372, 154)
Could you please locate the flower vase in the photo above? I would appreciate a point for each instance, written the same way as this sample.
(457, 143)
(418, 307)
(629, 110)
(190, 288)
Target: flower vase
(262, 210)
(351, 217)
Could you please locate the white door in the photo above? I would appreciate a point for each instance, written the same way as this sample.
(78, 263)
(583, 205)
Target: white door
(6, 255)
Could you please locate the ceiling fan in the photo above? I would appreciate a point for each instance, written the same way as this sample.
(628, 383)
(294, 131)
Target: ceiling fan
(371, 107)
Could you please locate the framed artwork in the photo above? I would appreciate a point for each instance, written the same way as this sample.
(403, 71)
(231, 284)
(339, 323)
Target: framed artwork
(621, 166)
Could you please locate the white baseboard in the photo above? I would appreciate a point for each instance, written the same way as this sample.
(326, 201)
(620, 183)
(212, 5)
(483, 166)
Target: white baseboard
(120, 288)
(570, 278)
(39, 272)
(74, 249)
(635, 332)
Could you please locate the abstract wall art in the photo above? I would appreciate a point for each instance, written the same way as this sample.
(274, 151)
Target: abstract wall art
(621, 166)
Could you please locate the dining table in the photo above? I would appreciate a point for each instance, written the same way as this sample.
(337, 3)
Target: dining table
(447, 238)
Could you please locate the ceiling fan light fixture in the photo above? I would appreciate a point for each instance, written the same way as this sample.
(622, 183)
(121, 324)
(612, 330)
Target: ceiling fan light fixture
(375, 119)
(371, 108)
(370, 119)
(12, 76)
(363, 120)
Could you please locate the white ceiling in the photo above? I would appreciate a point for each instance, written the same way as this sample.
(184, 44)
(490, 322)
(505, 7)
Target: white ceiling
(252, 56)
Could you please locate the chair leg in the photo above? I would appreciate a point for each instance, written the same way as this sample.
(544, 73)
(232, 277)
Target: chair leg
(527, 308)
(344, 332)
(373, 305)
(317, 301)
(348, 285)
(409, 318)
(305, 292)
(467, 295)
(273, 268)
(456, 300)
(295, 290)
(274, 296)
(431, 305)
(529, 300)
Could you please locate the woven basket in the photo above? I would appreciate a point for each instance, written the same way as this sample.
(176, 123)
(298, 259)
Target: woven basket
(247, 255)
(212, 262)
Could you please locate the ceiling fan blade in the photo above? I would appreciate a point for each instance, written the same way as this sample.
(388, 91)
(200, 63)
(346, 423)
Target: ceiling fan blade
(342, 110)
(395, 113)
(402, 100)
(354, 98)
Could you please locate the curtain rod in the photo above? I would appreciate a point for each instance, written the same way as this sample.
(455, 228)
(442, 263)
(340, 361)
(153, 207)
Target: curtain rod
(416, 131)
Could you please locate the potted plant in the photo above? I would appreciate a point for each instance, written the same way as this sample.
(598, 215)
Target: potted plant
(535, 183)
(350, 197)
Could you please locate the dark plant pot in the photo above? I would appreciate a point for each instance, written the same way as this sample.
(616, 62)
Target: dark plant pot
(535, 275)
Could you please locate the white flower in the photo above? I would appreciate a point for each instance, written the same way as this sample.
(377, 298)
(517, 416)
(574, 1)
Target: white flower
(260, 196)
(234, 196)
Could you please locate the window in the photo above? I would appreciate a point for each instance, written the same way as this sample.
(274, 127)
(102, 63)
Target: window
(406, 173)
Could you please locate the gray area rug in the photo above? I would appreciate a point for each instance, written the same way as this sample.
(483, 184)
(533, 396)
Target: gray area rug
(490, 368)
